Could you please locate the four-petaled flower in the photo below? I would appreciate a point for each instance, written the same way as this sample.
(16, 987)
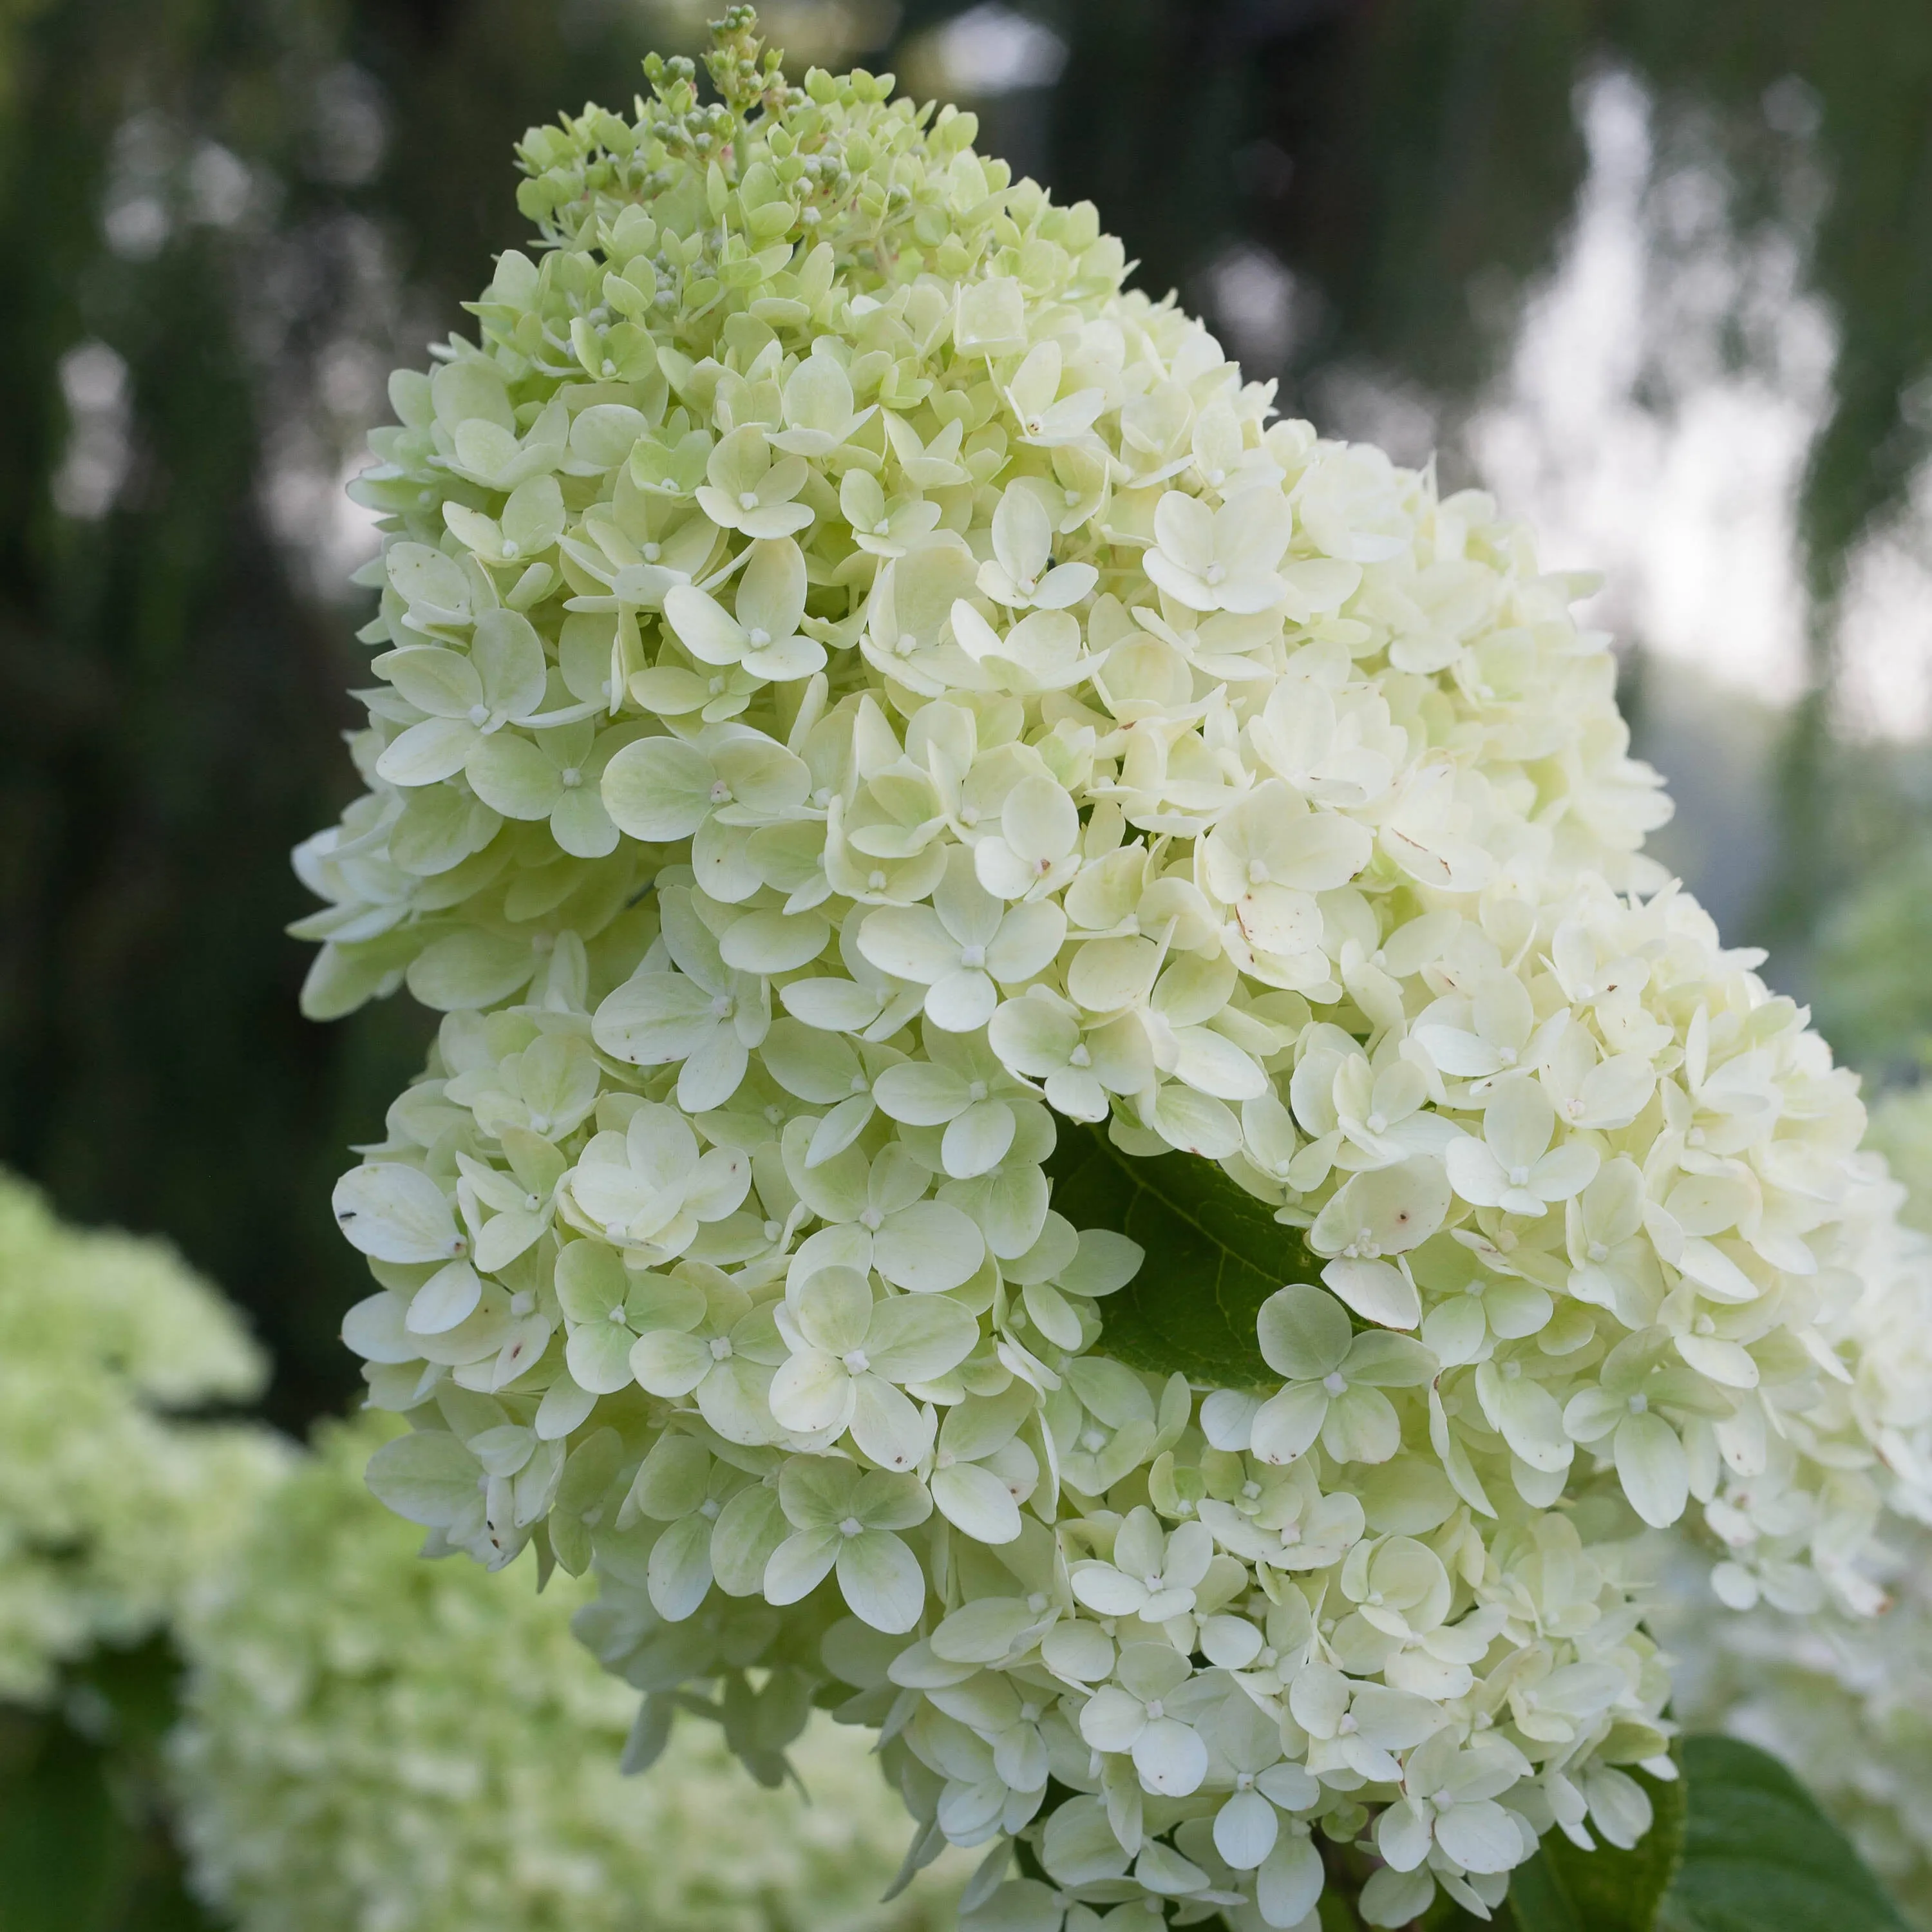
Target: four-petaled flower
(852, 1354)
(845, 1520)
(1335, 1381)
(961, 944)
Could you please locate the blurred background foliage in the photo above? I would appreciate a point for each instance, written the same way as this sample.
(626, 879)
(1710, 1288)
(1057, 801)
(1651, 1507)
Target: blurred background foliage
(1660, 275)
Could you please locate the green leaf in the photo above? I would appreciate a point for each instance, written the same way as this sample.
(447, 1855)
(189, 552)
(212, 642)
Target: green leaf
(1759, 1856)
(1214, 1255)
(1738, 1846)
(1566, 1889)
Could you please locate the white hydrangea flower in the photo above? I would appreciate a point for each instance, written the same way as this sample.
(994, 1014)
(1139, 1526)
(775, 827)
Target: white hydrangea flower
(1836, 1697)
(371, 1741)
(112, 1505)
(1158, 770)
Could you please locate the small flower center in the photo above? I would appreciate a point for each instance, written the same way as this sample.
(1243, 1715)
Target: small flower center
(570, 777)
(856, 1361)
(759, 636)
(1080, 1056)
(721, 1348)
(1639, 1403)
(851, 1526)
(479, 714)
(1335, 1382)
(973, 956)
(748, 500)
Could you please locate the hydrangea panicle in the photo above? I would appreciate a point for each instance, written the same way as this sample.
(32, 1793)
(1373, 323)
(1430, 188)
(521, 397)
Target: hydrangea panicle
(866, 701)
(114, 1498)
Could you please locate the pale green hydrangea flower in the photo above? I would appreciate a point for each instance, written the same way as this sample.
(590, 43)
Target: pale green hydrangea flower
(113, 1500)
(1901, 1130)
(374, 1744)
(1841, 1700)
(871, 715)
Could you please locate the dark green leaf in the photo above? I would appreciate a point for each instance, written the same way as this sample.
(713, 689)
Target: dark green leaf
(1565, 1889)
(1759, 1856)
(1214, 1255)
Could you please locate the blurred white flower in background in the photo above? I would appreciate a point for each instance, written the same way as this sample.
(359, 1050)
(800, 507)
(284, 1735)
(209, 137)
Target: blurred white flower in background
(375, 1743)
(114, 1501)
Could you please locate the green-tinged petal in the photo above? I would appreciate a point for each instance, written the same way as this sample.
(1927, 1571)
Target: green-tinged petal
(800, 1563)
(427, 1477)
(1304, 1334)
(881, 1580)
(396, 1214)
(973, 1499)
(666, 1363)
(678, 1573)
(658, 789)
(599, 1355)
(1653, 1469)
